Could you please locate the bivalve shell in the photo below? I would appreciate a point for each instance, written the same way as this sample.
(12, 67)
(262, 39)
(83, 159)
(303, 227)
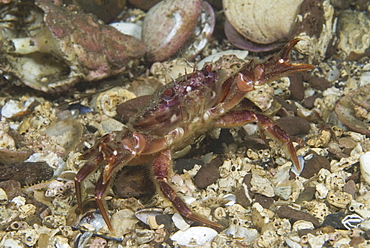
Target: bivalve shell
(177, 26)
(262, 22)
(167, 25)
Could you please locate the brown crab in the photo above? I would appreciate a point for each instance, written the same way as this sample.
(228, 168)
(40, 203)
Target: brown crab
(176, 115)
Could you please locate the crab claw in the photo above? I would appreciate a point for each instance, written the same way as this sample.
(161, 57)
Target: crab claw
(275, 67)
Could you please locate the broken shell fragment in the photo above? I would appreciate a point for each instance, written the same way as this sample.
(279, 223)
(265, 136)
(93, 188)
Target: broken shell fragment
(123, 221)
(339, 199)
(14, 108)
(194, 236)
(144, 214)
(107, 101)
(365, 167)
(179, 222)
(348, 107)
(353, 29)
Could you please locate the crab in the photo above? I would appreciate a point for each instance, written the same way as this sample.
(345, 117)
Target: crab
(176, 115)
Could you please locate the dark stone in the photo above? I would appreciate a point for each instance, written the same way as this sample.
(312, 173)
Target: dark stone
(335, 221)
(293, 215)
(319, 83)
(308, 102)
(208, 174)
(288, 106)
(314, 165)
(294, 125)
(247, 180)
(357, 241)
(296, 87)
(27, 173)
(12, 188)
(307, 194)
(241, 198)
(350, 188)
(266, 202)
(355, 177)
(166, 220)
(182, 164)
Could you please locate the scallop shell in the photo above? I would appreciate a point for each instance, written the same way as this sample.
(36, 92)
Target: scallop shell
(263, 22)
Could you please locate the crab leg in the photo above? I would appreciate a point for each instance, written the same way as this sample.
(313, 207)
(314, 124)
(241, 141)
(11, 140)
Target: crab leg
(162, 169)
(87, 169)
(242, 117)
(94, 157)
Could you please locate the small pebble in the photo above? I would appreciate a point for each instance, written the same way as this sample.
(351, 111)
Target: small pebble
(186, 164)
(266, 202)
(308, 102)
(294, 125)
(307, 194)
(335, 220)
(208, 174)
(8, 156)
(194, 236)
(166, 220)
(293, 215)
(12, 188)
(296, 87)
(365, 167)
(357, 241)
(319, 83)
(241, 198)
(350, 188)
(314, 165)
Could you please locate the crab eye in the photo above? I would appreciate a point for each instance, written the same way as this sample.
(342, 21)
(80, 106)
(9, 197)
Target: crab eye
(168, 94)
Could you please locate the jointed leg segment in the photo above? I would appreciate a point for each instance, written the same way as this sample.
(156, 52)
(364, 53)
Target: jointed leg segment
(162, 169)
(242, 117)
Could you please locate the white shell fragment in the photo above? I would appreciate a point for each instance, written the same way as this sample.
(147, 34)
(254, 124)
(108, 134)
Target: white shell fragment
(13, 108)
(144, 214)
(240, 232)
(262, 186)
(179, 222)
(3, 197)
(365, 167)
(231, 199)
(128, 28)
(194, 236)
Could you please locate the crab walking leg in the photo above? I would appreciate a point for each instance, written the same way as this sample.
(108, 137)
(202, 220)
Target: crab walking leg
(99, 193)
(87, 169)
(162, 169)
(94, 157)
(242, 117)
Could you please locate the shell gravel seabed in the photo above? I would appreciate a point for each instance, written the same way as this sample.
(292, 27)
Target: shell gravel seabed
(237, 180)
